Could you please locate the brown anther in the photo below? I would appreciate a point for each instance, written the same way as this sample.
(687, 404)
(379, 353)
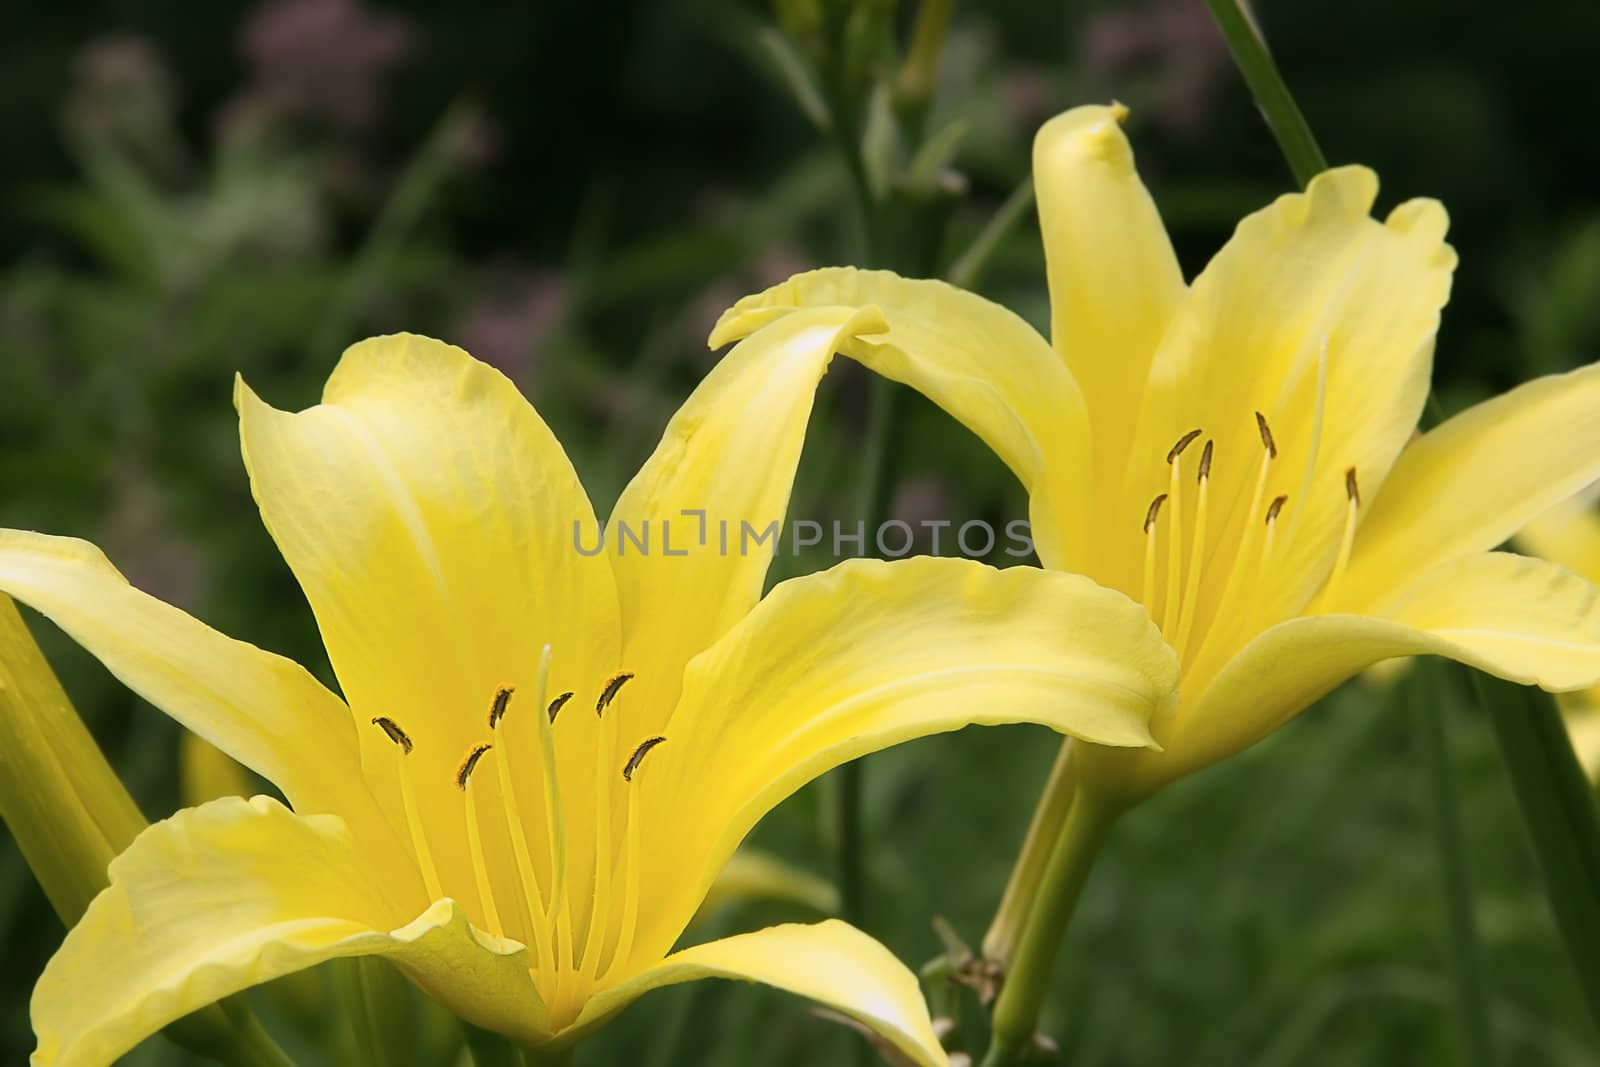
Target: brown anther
(497, 710)
(1351, 489)
(638, 756)
(397, 735)
(1266, 436)
(609, 693)
(1276, 506)
(1183, 442)
(464, 772)
(1155, 509)
(558, 703)
(1205, 462)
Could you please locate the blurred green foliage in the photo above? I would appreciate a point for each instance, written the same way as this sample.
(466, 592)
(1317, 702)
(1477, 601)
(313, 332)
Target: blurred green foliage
(574, 193)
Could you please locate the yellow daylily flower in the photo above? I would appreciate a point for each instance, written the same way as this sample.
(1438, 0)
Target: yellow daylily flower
(1569, 534)
(543, 755)
(1237, 454)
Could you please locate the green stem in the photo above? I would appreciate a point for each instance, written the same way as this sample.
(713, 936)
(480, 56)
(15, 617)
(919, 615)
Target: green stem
(1561, 815)
(1016, 1012)
(965, 271)
(1283, 115)
(376, 999)
(1471, 987)
(1022, 887)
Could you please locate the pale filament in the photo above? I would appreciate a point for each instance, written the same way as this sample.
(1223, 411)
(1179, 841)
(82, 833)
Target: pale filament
(1197, 547)
(1352, 492)
(480, 871)
(408, 800)
(1169, 615)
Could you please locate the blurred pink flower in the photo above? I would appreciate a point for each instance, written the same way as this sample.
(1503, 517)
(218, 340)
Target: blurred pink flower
(1175, 44)
(508, 327)
(321, 59)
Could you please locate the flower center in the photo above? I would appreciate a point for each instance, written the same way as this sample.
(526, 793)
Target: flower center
(568, 965)
(1240, 560)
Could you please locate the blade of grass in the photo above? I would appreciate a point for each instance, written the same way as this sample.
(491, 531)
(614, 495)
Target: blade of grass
(1559, 810)
(1283, 115)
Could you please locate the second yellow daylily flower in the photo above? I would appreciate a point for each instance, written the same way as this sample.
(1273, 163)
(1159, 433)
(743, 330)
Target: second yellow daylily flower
(1569, 535)
(1237, 454)
(543, 755)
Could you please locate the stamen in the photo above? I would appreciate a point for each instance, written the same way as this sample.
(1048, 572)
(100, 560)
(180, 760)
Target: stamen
(638, 756)
(480, 872)
(1169, 614)
(630, 899)
(408, 800)
(1197, 547)
(532, 892)
(560, 915)
(1154, 510)
(1183, 442)
(609, 693)
(1266, 436)
(558, 703)
(1272, 533)
(599, 911)
(1352, 492)
(397, 735)
(497, 709)
(1247, 544)
(464, 772)
(1150, 550)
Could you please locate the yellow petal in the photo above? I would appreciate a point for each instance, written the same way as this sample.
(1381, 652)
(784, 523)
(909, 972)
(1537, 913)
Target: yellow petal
(975, 359)
(1476, 479)
(1568, 534)
(1582, 713)
(1522, 619)
(830, 962)
(1323, 320)
(236, 893)
(431, 516)
(866, 655)
(751, 874)
(708, 504)
(205, 772)
(1114, 280)
(264, 710)
(64, 805)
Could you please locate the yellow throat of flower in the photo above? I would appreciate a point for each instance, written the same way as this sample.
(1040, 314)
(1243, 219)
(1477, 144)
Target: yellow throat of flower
(573, 955)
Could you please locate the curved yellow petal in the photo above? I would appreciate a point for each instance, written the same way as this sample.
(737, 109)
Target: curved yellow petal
(264, 710)
(830, 962)
(432, 519)
(235, 893)
(692, 535)
(1582, 714)
(866, 655)
(751, 874)
(1322, 319)
(972, 357)
(1114, 279)
(1470, 483)
(1519, 618)
(1568, 534)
